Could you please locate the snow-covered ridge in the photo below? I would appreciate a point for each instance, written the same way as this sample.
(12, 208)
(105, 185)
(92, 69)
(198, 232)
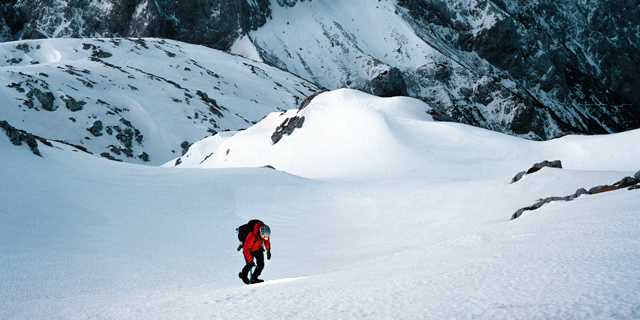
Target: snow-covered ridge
(348, 134)
(136, 100)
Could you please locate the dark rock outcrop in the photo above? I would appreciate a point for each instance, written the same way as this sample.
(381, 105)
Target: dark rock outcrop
(551, 164)
(388, 84)
(96, 128)
(215, 23)
(286, 128)
(536, 167)
(308, 99)
(46, 99)
(18, 137)
(632, 183)
(574, 64)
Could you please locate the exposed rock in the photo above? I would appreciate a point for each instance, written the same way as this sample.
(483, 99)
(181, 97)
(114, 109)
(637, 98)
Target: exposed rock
(185, 147)
(23, 47)
(46, 99)
(72, 104)
(213, 105)
(637, 175)
(17, 86)
(144, 156)
(109, 156)
(101, 54)
(96, 128)
(536, 167)
(307, 100)
(631, 183)
(287, 127)
(389, 83)
(580, 192)
(518, 176)
(551, 164)
(626, 182)
(17, 137)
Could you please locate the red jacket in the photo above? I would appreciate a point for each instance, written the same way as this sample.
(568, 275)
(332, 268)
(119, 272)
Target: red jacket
(253, 242)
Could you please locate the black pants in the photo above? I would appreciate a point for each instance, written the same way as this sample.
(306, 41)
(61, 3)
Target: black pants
(259, 256)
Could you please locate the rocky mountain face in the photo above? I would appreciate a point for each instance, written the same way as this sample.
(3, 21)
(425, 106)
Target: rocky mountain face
(534, 69)
(575, 62)
(214, 23)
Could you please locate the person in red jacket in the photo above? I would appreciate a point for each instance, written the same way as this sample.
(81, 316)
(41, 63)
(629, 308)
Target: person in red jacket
(253, 248)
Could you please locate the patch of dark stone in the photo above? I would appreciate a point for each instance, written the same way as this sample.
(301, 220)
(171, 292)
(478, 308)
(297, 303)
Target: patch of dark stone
(74, 71)
(87, 83)
(159, 78)
(307, 101)
(72, 104)
(209, 72)
(139, 41)
(95, 59)
(213, 105)
(631, 183)
(185, 147)
(17, 86)
(536, 167)
(287, 127)
(18, 137)
(14, 61)
(24, 47)
(46, 99)
(88, 46)
(101, 54)
(96, 128)
(107, 155)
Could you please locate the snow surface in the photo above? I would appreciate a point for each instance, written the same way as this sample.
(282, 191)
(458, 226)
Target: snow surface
(374, 237)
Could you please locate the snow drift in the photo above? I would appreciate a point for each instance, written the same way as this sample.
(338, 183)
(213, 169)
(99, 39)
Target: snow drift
(396, 216)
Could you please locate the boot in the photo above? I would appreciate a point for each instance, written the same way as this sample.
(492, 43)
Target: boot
(256, 280)
(244, 278)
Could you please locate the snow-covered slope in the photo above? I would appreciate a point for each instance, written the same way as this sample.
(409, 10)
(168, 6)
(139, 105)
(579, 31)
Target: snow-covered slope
(136, 100)
(348, 133)
(395, 231)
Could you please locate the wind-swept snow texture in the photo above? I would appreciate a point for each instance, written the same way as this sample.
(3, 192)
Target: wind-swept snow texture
(136, 100)
(400, 225)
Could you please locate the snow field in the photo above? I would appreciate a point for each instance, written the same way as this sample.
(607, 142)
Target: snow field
(412, 224)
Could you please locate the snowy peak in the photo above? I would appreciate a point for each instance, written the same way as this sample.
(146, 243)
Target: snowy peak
(137, 100)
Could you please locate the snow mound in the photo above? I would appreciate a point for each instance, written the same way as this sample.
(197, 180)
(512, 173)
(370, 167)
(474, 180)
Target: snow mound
(341, 133)
(348, 134)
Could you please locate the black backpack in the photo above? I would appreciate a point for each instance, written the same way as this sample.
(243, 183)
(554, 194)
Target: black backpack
(244, 230)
